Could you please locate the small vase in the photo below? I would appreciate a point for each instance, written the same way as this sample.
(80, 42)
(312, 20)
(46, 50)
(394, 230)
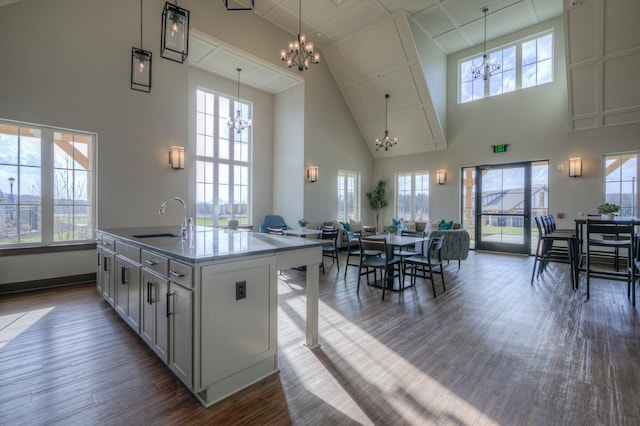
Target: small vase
(606, 216)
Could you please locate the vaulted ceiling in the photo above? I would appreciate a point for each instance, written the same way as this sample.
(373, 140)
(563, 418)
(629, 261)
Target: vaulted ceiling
(374, 47)
(399, 47)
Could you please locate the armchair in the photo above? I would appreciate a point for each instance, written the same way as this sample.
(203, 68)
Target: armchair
(272, 221)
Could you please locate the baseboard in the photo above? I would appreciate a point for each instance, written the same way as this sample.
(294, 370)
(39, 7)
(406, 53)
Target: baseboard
(46, 283)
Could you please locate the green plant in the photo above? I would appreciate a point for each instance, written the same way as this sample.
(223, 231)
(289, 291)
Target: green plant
(377, 201)
(303, 223)
(605, 208)
(392, 229)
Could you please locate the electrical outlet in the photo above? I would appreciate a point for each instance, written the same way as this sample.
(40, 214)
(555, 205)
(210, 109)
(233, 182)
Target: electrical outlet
(241, 290)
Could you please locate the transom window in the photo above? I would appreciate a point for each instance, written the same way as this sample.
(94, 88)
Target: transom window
(525, 64)
(621, 182)
(412, 195)
(348, 195)
(223, 165)
(47, 185)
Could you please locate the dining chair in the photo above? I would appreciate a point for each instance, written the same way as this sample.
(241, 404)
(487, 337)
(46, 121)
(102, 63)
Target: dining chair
(428, 262)
(377, 255)
(621, 235)
(353, 249)
(547, 251)
(330, 248)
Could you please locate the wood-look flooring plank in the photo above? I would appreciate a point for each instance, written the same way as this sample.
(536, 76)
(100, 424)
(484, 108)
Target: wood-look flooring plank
(491, 349)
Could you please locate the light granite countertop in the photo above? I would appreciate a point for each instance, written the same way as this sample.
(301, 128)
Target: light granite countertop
(208, 244)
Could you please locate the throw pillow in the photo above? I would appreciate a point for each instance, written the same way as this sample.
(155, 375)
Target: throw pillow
(356, 226)
(444, 226)
(346, 226)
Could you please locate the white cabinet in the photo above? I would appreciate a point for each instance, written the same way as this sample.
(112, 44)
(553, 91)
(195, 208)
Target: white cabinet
(181, 333)
(127, 300)
(107, 272)
(155, 326)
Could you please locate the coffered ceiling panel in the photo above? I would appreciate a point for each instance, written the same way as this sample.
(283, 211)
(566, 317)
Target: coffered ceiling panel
(211, 55)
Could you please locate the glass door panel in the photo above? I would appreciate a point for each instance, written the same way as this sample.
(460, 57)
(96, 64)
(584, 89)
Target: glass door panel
(503, 207)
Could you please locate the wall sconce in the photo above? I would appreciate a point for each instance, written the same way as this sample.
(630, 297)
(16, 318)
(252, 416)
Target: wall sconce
(441, 177)
(176, 157)
(575, 167)
(174, 44)
(312, 174)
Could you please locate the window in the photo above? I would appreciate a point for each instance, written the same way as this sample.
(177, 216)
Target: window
(348, 195)
(47, 185)
(535, 57)
(621, 178)
(223, 164)
(412, 195)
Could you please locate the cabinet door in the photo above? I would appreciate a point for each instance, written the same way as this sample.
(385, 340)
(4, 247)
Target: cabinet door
(108, 278)
(134, 299)
(154, 328)
(127, 300)
(121, 298)
(181, 333)
(99, 271)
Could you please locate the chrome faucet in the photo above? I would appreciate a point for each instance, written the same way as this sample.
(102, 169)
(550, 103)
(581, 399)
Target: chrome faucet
(163, 208)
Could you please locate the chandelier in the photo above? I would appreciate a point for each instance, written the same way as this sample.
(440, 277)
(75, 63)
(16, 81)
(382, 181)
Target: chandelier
(300, 53)
(486, 68)
(386, 141)
(239, 124)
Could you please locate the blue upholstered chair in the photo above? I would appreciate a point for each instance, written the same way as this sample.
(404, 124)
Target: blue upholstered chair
(272, 221)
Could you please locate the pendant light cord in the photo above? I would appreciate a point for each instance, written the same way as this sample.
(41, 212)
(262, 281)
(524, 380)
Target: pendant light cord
(300, 19)
(141, 24)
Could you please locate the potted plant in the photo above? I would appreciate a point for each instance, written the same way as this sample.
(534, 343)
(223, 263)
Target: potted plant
(391, 230)
(607, 210)
(377, 201)
(303, 223)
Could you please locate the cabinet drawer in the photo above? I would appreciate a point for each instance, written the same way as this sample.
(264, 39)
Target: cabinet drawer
(181, 273)
(155, 262)
(108, 242)
(128, 251)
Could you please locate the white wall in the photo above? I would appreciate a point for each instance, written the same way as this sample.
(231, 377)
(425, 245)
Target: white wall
(67, 64)
(535, 124)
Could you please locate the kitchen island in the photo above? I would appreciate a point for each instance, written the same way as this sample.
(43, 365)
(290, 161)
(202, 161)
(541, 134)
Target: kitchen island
(206, 306)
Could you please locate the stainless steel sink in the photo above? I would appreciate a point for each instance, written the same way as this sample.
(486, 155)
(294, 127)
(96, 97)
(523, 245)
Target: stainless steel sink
(163, 235)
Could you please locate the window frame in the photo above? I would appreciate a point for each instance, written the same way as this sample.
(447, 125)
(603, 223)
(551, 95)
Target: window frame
(48, 173)
(342, 177)
(237, 169)
(625, 210)
(518, 45)
(412, 203)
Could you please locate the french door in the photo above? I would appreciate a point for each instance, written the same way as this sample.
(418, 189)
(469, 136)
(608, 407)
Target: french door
(503, 208)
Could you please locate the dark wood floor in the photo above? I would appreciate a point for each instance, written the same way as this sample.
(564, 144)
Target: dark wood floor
(491, 350)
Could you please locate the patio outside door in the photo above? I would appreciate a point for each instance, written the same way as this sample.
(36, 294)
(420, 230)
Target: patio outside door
(503, 208)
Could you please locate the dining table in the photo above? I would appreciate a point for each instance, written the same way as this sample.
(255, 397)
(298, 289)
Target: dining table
(399, 241)
(302, 232)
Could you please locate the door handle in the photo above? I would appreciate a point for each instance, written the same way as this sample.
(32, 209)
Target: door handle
(123, 279)
(169, 313)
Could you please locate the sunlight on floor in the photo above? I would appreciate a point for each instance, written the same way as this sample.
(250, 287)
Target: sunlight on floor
(13, 324)
(378, 382)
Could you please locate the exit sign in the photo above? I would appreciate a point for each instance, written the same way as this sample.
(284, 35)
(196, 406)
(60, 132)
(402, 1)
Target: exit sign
(499, 148)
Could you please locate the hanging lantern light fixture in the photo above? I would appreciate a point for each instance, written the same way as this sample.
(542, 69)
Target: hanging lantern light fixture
(140, 65)
(174, 43)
